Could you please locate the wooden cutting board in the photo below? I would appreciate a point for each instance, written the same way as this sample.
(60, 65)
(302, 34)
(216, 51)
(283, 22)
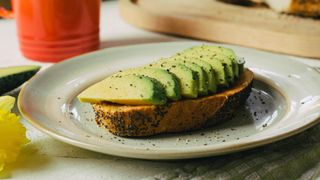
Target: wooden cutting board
(257, 27)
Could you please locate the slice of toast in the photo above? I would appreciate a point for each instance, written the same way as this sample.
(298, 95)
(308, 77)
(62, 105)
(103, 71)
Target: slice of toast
(179, 116)
(308, 8)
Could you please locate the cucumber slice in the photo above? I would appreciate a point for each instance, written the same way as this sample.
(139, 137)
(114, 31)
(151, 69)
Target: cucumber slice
(13, 77)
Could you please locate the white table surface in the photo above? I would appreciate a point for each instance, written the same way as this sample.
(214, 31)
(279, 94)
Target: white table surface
(46, 158)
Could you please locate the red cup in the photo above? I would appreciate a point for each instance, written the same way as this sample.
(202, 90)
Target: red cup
(53, 30)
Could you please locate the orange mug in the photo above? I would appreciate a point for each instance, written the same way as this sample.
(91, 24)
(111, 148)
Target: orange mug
(53, 30)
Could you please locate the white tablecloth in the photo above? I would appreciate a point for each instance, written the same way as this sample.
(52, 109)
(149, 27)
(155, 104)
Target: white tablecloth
(46, 158)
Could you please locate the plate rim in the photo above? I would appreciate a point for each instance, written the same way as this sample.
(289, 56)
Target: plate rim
(145, 154)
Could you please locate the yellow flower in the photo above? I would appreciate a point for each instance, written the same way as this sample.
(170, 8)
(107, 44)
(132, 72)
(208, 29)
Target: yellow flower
(12, 132)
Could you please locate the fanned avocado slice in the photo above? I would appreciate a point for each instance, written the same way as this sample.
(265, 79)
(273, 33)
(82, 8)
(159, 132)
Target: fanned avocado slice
(206, 53)
(240, 63)
(219, 71)
(211, 83)
(189, 81)
(127, 89)
(232, 55)
(13, 77)
(167, 79)
(202, 75)
(228, 66)
(216, 65)
(226, 53)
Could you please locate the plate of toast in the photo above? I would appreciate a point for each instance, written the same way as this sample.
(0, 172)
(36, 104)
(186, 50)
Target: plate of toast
(176, 100)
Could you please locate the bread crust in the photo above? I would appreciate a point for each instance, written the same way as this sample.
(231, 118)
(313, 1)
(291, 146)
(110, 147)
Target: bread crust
(184, 115)
(310, 8)
(307, 8)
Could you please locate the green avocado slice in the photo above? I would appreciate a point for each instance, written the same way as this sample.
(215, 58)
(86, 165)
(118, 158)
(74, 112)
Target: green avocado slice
(189, 81)
(212, 83)
(203, 53)
(126, 89)
(217, 66)
(201, 71)
(167, 79)
(223, 52)
(13, 77)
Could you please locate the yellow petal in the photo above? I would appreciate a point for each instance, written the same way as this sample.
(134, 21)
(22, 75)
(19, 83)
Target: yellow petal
(1, 166)
(12, 137)
(7, 103)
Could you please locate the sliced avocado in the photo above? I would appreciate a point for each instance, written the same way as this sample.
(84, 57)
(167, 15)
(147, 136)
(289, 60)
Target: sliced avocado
(222, 51)
(232, 55)
(216, 65)
(204, 53)
(167, 79)
(203, 76)
(219, 71)
(212, 84)
(240, 63)
(13, 77)
(227, 64)
(127, 89)
(189, 82)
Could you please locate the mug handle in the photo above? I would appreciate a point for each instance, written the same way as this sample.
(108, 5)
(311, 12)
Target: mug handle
(4, 12)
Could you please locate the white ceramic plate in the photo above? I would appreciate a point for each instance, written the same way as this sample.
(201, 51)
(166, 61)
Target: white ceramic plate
(285, 100)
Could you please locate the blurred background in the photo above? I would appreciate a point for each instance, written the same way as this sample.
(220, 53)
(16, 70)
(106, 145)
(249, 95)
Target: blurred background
(289, 27)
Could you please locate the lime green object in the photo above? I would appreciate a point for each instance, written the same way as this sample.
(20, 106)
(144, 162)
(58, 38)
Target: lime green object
(225, 55)
(219, 71)
(206, 54)
(13, 77)
(203, 78)
(227, 63)
(168, 80)
(212, 84)
(127, 89)
(189, 81)
(216, 65)
(225, 52)
(201, 73)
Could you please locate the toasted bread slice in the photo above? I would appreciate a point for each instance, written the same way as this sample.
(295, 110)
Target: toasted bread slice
(308, 8)
(184, 115)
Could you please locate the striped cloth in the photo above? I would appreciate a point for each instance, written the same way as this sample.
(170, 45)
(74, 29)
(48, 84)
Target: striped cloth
(295, 158)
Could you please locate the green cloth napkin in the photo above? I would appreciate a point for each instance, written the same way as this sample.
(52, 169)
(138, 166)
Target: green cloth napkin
(297, 157)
